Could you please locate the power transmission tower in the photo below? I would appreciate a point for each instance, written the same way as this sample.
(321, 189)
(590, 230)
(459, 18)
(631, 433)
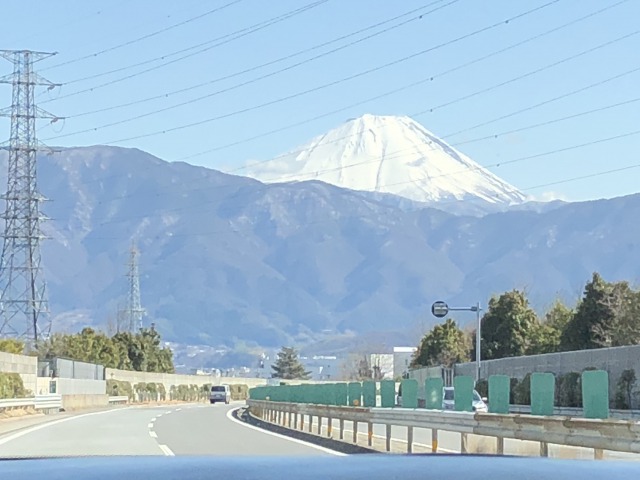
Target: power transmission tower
(23, 300)
(134, 310)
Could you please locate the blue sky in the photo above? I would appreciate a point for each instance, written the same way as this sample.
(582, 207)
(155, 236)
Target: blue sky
(85, 32)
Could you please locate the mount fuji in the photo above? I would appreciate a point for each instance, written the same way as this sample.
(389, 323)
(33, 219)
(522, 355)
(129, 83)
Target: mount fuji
(391, 155)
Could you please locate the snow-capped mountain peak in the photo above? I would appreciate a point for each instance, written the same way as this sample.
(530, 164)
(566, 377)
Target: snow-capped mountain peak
(389, 154)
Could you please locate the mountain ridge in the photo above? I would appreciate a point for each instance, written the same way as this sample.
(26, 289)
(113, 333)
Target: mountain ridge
(227, 260)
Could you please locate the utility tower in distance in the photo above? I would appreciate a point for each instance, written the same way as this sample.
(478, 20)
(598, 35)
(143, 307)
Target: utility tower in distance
(23, 301)
(134, 311)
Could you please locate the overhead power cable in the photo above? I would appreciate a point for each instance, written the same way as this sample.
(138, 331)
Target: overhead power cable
(144, 37)
(278, 60)
(451, 102)
(314, 89)
(210, 44)
(248, 82)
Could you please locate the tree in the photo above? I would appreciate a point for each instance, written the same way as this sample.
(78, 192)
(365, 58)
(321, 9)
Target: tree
(357, 367)
(546, 335)
(507, 326)
(444, 345)
(11, 345)
(624, 327)
(593, 319)
(288, 366)
(142, 351)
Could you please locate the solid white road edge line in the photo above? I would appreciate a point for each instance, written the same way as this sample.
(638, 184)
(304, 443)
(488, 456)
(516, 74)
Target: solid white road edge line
(35, 428)
(166, 450)
(284, 437)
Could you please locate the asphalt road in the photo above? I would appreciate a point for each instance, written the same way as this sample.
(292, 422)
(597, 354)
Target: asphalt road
(165, 430)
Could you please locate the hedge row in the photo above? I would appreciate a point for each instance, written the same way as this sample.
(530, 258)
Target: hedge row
(145, 392)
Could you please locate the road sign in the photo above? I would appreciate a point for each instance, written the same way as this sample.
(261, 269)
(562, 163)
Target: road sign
(439, 309)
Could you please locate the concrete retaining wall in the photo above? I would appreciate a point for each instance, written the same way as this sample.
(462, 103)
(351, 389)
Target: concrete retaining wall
(26, 366)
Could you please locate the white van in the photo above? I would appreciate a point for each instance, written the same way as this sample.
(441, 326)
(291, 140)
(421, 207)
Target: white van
(220, 393)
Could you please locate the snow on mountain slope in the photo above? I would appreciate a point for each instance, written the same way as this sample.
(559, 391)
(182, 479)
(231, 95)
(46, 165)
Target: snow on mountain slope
(389, 154)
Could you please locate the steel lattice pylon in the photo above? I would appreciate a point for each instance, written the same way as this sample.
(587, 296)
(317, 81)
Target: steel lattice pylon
(134, 311)
(23, 300)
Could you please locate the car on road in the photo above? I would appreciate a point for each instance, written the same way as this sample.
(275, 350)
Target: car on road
(448, 401)
(220, 393)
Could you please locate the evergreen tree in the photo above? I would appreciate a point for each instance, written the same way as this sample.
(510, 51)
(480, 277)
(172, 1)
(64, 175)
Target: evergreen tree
(288, 366)
(141, 351)
(594, 317)
(546, 336)
(444, 345)
(507, 326)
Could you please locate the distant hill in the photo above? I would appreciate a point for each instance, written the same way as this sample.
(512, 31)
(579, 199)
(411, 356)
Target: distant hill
(229, 261)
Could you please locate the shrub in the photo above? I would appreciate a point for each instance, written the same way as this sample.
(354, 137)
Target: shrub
(11, 386)
(162, 391)
(522, 391)
(569, 390)
(624, 389)
(116, 388)
(513, 386)
(482, 387)
(239, 392)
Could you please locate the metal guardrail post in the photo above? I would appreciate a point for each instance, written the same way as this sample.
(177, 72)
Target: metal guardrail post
(598, 454)
(464, 443)
(409, 439)
(341, 429)
(355, 432)
(329, 427)
(319, 425)
(370, 434)
(500, 445)
(544, 449)
(434, 440)
(388, 438)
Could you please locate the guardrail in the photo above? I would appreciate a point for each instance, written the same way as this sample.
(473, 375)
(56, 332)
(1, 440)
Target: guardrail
(118, 400)
(577, 412)
(600, 435)
(40, 402)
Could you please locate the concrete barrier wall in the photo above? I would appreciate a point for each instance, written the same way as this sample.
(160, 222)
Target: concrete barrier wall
(26, 366)
(169, 379)
(614, 360)
(75, 386)
(80, 401)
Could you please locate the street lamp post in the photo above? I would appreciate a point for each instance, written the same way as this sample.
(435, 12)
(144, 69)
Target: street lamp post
(441, 309)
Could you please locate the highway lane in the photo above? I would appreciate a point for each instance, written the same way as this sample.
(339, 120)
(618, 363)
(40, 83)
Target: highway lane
(213, 432)
(165, 430)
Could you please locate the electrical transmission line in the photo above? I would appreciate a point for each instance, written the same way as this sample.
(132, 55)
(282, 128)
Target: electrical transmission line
(23, 301)
(134, 311)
